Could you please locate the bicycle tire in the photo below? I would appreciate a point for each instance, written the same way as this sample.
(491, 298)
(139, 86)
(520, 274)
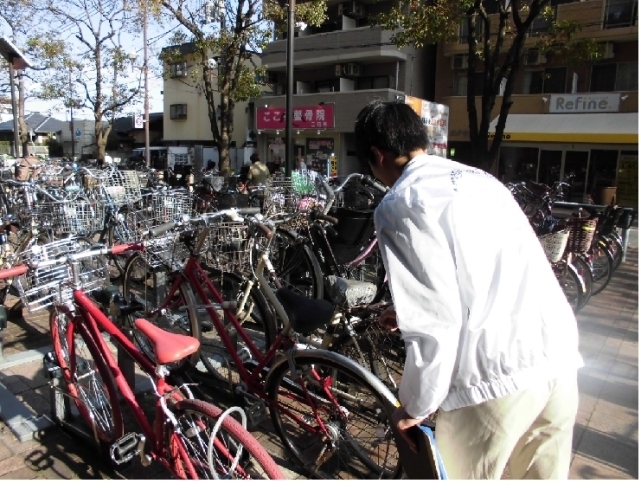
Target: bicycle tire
(195, 419)
(363, 415)
(94, 395)
(138, 279)
(583, 268)
(603, 267)
(615, 246)
(296, 265)
(571, 284)
(256, 319)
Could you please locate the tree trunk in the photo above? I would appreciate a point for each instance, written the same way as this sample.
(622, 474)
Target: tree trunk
(22, 124)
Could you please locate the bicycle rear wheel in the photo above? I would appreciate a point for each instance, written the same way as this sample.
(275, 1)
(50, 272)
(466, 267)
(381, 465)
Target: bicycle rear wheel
(332, 418)
(571, 284)
(87, 377)
(584, 269)
(214, 448)
(602, 267)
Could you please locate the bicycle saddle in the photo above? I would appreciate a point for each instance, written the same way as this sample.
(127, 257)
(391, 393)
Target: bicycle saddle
(168, 347)
(350, 293)
(305, 314)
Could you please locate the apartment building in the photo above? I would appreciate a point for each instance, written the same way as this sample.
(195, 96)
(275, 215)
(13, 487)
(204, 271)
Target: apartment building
(338, 68)
(564, 119)
(186, 118)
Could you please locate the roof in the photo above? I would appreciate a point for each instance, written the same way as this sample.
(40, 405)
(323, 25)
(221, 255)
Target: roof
(183, 49)
(40, 123)
(619, 127)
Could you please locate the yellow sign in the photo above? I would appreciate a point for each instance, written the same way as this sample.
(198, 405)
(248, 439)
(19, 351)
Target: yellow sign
(333, 166)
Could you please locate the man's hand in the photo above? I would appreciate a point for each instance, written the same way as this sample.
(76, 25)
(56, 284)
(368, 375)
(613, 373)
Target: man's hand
(387, 320)
(402, 421)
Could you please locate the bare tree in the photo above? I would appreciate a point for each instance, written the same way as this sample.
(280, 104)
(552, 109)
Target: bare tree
(87, 40)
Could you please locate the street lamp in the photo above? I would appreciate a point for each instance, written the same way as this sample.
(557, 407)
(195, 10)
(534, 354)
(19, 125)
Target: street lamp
(17, 61)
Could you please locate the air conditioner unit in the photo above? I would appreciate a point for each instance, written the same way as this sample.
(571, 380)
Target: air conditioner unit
(459, 62)
(352, 70)
(608, 50)
(351, 9)
(534, 57)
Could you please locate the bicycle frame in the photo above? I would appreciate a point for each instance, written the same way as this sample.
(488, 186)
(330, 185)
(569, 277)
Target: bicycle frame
(88, 313)
(196, 277)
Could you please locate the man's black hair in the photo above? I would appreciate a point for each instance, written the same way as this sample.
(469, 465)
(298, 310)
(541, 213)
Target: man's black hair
(388, 126)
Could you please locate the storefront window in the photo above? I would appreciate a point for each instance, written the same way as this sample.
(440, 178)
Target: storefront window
(603, 169)
(518, 164)
(550, 166)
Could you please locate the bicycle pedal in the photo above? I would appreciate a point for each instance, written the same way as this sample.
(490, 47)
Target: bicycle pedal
(206, 327)
(125, 448)
(257, 412)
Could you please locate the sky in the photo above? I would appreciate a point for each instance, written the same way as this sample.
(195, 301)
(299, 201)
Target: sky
(158, 38)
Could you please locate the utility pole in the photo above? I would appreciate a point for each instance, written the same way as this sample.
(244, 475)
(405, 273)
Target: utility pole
(289, 110)
(14, 108)
(73, 132)
(146, 75)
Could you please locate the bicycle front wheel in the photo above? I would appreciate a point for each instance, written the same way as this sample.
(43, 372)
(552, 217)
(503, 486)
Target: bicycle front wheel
(206, 447)
(87, 377)
(333, 420)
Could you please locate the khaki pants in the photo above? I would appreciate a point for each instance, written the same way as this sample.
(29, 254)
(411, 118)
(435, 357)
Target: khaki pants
(530, 432)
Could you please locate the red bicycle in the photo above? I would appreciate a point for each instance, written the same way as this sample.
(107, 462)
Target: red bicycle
(330, 412)
(191, 438)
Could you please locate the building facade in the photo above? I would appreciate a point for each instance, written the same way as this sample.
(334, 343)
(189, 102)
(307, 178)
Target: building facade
(564, 119)
(338, 68)
(186, 118)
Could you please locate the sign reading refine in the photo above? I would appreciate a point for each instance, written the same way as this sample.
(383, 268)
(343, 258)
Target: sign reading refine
(581, 103)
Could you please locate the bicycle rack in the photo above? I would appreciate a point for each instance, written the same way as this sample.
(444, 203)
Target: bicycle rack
(63, 411)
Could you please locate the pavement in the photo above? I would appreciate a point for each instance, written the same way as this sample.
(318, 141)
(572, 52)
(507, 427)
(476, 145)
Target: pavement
(606, 435)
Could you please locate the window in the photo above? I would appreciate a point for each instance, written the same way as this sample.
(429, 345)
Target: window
(549, 81)
(627, 76)
(178, 70)
(478, 30)
(181, 159)
(332, 85)
(620, 13)
(603, 77)
(368, 83)
(460, 83)
(178, 111)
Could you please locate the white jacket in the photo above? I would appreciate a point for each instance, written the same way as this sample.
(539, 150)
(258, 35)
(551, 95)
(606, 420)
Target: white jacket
(478, 305)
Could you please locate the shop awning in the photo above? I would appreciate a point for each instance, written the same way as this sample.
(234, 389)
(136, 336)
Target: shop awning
(613, 128)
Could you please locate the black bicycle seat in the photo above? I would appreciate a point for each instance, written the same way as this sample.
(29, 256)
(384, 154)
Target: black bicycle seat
(305, 314)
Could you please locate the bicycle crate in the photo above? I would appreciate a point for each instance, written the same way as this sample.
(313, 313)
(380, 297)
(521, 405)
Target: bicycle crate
(227, 247)
(42, 287)
(169, 206)
(581, 234)
(554, 244)
(72, 217)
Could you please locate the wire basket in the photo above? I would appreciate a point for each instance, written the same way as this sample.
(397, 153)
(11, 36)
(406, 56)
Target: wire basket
(554, 244)
(288, 197)
(581, 234)
(71, 217)
(170, 206)
(123, 186)
(42, 287)
(227, 247)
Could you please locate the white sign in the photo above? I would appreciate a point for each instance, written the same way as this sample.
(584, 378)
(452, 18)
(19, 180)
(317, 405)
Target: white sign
(138, 121)
(581, 103)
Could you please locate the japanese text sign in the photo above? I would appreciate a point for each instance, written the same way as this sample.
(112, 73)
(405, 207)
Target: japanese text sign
(306, 117)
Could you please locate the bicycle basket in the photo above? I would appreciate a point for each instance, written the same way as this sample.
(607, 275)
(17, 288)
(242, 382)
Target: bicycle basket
(554, 244)
(123, 186)
(581, 234)
(227, 247)
(284, 198)
(42, 287)
(73, 217)
(169, 206)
